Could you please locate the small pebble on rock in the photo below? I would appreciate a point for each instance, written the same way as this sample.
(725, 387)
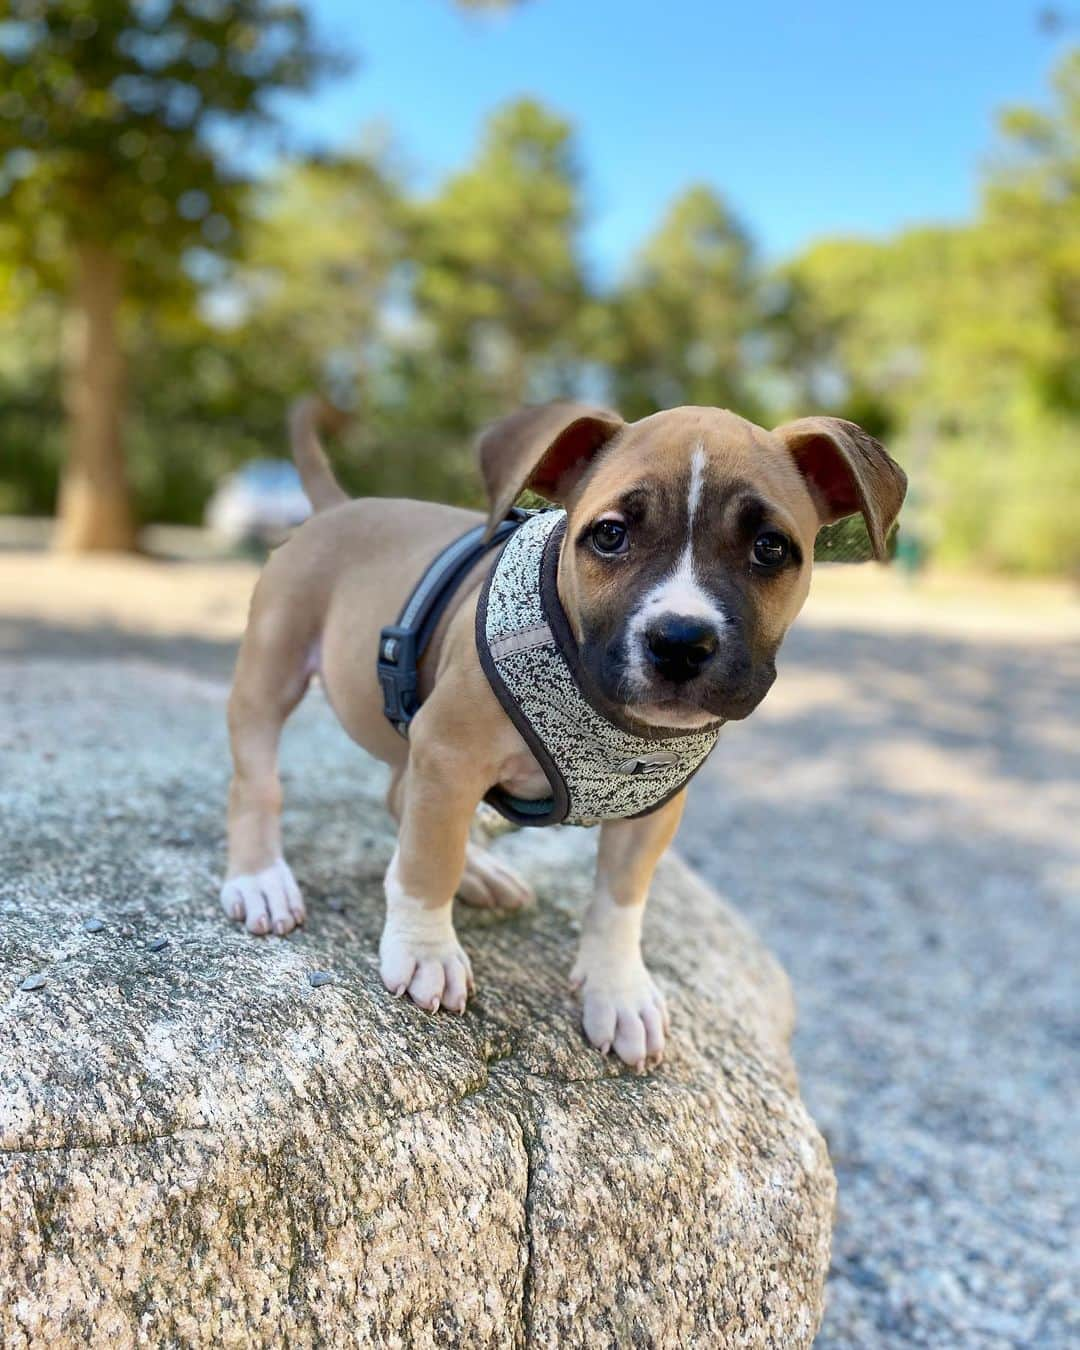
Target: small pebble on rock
(33, 982)
(318, 977)
(94, 925)
(158, 944)
(127, 931)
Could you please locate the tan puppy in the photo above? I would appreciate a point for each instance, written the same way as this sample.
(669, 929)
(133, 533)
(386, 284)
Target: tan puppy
(687, 554)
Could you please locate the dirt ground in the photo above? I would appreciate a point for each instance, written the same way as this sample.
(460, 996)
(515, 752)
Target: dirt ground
(899, 821)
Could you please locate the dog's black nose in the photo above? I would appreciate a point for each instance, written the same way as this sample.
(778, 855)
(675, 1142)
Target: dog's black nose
(681, 647)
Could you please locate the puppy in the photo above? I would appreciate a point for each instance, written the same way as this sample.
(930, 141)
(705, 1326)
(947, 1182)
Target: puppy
(685, 555)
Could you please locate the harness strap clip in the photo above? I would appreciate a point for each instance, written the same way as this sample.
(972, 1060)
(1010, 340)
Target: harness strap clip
(396, 668)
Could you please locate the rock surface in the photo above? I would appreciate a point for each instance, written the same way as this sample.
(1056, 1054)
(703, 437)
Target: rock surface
(200, 1146)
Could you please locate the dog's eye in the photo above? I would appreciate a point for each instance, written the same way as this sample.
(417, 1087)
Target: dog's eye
(771, 549)
(609, 536)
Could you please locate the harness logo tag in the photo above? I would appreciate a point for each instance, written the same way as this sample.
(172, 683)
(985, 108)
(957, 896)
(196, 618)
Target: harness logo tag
(647, 765)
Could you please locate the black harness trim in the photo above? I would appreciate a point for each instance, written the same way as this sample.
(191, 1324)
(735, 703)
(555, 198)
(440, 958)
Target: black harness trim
(402, 644)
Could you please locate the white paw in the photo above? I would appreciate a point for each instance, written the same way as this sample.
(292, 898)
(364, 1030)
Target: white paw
(419, 953)
(488, 883)
(623, 1010)
(265, 902)
(434, 973)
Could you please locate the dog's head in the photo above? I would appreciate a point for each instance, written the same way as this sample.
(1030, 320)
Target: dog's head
(689, 540)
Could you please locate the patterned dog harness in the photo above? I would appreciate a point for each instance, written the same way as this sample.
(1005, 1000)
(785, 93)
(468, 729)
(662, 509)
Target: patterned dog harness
(598, 768)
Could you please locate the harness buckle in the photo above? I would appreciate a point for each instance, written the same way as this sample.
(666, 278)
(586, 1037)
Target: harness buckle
(396, 669)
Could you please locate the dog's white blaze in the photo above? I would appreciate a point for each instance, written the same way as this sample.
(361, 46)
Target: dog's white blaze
(680, 592)
(697, 480)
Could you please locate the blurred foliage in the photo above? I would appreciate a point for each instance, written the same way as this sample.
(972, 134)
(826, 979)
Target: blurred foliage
(498, 281)
(961, 347)
(123, 128)
(428, 315)
(116, 119)
(678, 330)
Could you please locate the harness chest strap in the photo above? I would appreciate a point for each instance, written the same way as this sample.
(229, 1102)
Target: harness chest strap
(401, 645)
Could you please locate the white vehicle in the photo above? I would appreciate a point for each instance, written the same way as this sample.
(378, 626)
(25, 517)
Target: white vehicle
(259, 503)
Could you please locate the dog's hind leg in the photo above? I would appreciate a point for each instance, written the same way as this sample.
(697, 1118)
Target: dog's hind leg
(272, 673)
(488, 883)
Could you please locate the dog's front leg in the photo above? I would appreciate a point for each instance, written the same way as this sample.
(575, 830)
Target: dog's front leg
(419, 953)
(623, 1008)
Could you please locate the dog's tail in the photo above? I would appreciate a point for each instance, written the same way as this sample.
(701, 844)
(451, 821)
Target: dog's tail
(307, 417)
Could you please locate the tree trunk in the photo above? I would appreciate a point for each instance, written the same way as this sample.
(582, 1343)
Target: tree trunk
(94, 510)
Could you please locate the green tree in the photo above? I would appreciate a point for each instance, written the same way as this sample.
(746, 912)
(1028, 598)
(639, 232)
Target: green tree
(314, 284)
(1032, 205)
(965, 341)
(678, 330)
(119, 127)
(309, 304)
(499, 279)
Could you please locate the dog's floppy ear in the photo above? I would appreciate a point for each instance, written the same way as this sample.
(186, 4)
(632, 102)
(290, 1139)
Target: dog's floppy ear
(546, 448)
(846, 471)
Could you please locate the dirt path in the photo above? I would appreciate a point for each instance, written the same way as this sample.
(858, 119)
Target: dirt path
(899, 821)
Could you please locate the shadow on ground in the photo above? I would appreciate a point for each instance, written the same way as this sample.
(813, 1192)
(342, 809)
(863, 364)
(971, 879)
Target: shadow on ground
(37, 639)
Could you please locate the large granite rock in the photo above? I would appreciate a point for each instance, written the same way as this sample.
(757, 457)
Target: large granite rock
(200, 1147)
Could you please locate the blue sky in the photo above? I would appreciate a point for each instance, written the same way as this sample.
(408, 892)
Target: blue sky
(812, 119)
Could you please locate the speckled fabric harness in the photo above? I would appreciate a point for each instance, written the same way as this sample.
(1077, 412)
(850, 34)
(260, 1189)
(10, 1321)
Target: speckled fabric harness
(598, 768)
